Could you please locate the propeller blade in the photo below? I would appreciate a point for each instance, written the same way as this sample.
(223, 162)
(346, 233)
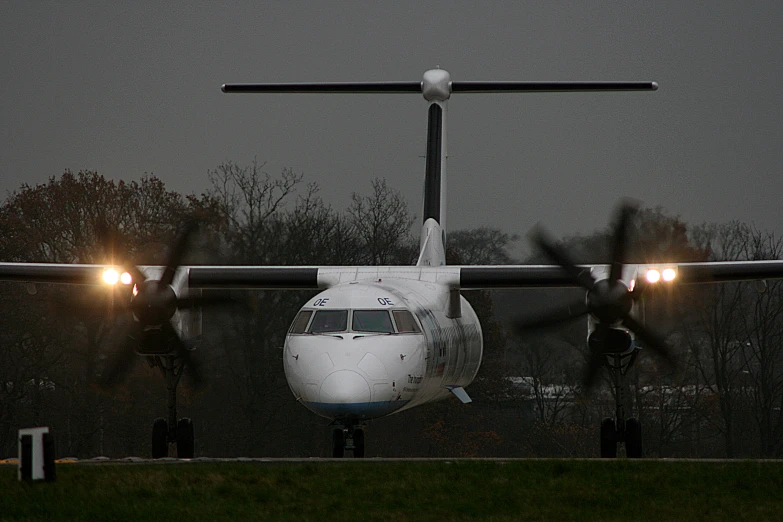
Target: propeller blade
(625, 214)
(136, 274)
(178, 252)
(594, 365)
(552, 250)
(193, 368)
(551, 318)
(107, 239)
(640, 286)
(121, 361)
(113, 249)
(650, 339)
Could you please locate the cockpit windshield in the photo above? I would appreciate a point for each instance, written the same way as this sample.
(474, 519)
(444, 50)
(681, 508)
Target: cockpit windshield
(300, 323)
(374, 321)
(405, 322)
(326, 321)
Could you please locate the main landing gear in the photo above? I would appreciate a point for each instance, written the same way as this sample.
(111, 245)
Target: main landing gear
(621, 430)
(349, 437)
(171, 431)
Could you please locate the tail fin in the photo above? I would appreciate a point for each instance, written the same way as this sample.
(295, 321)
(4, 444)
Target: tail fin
(432, 246)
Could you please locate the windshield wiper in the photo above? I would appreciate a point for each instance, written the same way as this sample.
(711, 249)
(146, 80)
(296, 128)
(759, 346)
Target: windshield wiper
(328, 334)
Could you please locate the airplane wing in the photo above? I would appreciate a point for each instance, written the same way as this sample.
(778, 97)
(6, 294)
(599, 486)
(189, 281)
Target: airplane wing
(472, 277)
(52, 273)
(520, 276)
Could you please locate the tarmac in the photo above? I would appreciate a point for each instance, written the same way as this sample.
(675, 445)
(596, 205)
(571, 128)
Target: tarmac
(318, 460)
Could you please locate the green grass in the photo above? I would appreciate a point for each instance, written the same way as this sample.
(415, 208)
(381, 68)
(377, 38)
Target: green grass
(459, 490)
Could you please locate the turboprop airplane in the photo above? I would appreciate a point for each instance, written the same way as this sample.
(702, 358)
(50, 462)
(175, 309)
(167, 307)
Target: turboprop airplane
(378, 340)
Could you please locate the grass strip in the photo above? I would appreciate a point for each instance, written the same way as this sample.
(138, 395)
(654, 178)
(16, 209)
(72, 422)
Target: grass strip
(402, 491)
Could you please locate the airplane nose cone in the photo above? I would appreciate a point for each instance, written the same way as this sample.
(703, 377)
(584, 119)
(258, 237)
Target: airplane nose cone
(345, 387)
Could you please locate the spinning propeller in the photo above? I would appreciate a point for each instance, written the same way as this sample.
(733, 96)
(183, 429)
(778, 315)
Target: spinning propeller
(609, 301)
(153, 305)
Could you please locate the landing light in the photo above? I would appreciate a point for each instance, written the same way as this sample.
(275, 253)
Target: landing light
(112, 276)
(656, 275)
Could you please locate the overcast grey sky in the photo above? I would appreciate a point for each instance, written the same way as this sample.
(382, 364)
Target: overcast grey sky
(126, 88)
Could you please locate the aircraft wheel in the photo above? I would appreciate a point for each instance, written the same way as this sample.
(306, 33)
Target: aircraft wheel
(608, 439)
(186, 444)
(160, 436)
(358, 443)
(338, 443)
(633, 438)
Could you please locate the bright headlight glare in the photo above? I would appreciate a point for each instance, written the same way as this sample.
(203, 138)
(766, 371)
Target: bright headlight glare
(668, 274)
(653, 275)
(111, 276)
(126, 278)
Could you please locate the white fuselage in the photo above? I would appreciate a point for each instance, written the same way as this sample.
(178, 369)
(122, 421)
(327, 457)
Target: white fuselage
(390, 347)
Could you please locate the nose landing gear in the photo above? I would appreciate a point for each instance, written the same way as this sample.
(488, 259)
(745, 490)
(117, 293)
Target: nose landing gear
(349, 437)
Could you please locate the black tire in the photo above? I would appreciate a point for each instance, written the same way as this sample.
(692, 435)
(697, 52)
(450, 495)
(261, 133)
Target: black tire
(608, 439)
(186, 444)
(160, 439)
(338, 443)
(358, 444)
(633, 438)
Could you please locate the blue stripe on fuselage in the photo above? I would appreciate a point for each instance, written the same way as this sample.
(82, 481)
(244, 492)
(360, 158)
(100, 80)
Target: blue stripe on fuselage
(355, 410)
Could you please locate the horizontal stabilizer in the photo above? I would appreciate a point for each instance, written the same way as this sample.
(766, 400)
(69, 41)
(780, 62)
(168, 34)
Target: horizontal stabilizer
(487, 87)
(340, 87)
(460, 393)
(420, 87)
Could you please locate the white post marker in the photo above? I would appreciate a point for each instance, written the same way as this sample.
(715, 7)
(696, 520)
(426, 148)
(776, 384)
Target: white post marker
(36, 454)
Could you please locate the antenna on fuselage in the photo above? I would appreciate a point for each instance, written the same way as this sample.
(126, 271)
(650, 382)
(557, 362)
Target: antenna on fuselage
(436, 87)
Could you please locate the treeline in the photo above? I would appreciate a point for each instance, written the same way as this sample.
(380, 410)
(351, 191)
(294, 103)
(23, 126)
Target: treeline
(56, 339)
(724, 399)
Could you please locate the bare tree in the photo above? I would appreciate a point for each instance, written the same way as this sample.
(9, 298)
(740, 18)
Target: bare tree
(480, 246)
(718, 330)
(544, 372)
(382, 224)
(763, 346)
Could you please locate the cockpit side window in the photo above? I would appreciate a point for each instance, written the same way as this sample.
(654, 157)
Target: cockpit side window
(405, 322)
(374, 321)
(329, 321)
(300, 323)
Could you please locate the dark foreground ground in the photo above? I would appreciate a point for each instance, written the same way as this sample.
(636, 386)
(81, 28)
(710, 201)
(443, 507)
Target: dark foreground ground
(401, 491)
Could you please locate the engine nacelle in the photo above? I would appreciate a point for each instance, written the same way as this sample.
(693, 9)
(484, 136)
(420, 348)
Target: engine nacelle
(610, 341)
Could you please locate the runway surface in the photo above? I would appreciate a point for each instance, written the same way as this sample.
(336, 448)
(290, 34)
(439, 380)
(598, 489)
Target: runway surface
(318, 460)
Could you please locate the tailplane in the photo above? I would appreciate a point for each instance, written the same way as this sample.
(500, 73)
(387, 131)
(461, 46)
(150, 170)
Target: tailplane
(437, 87)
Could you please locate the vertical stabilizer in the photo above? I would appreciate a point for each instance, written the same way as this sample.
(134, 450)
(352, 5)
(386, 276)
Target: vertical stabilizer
(436, 88)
